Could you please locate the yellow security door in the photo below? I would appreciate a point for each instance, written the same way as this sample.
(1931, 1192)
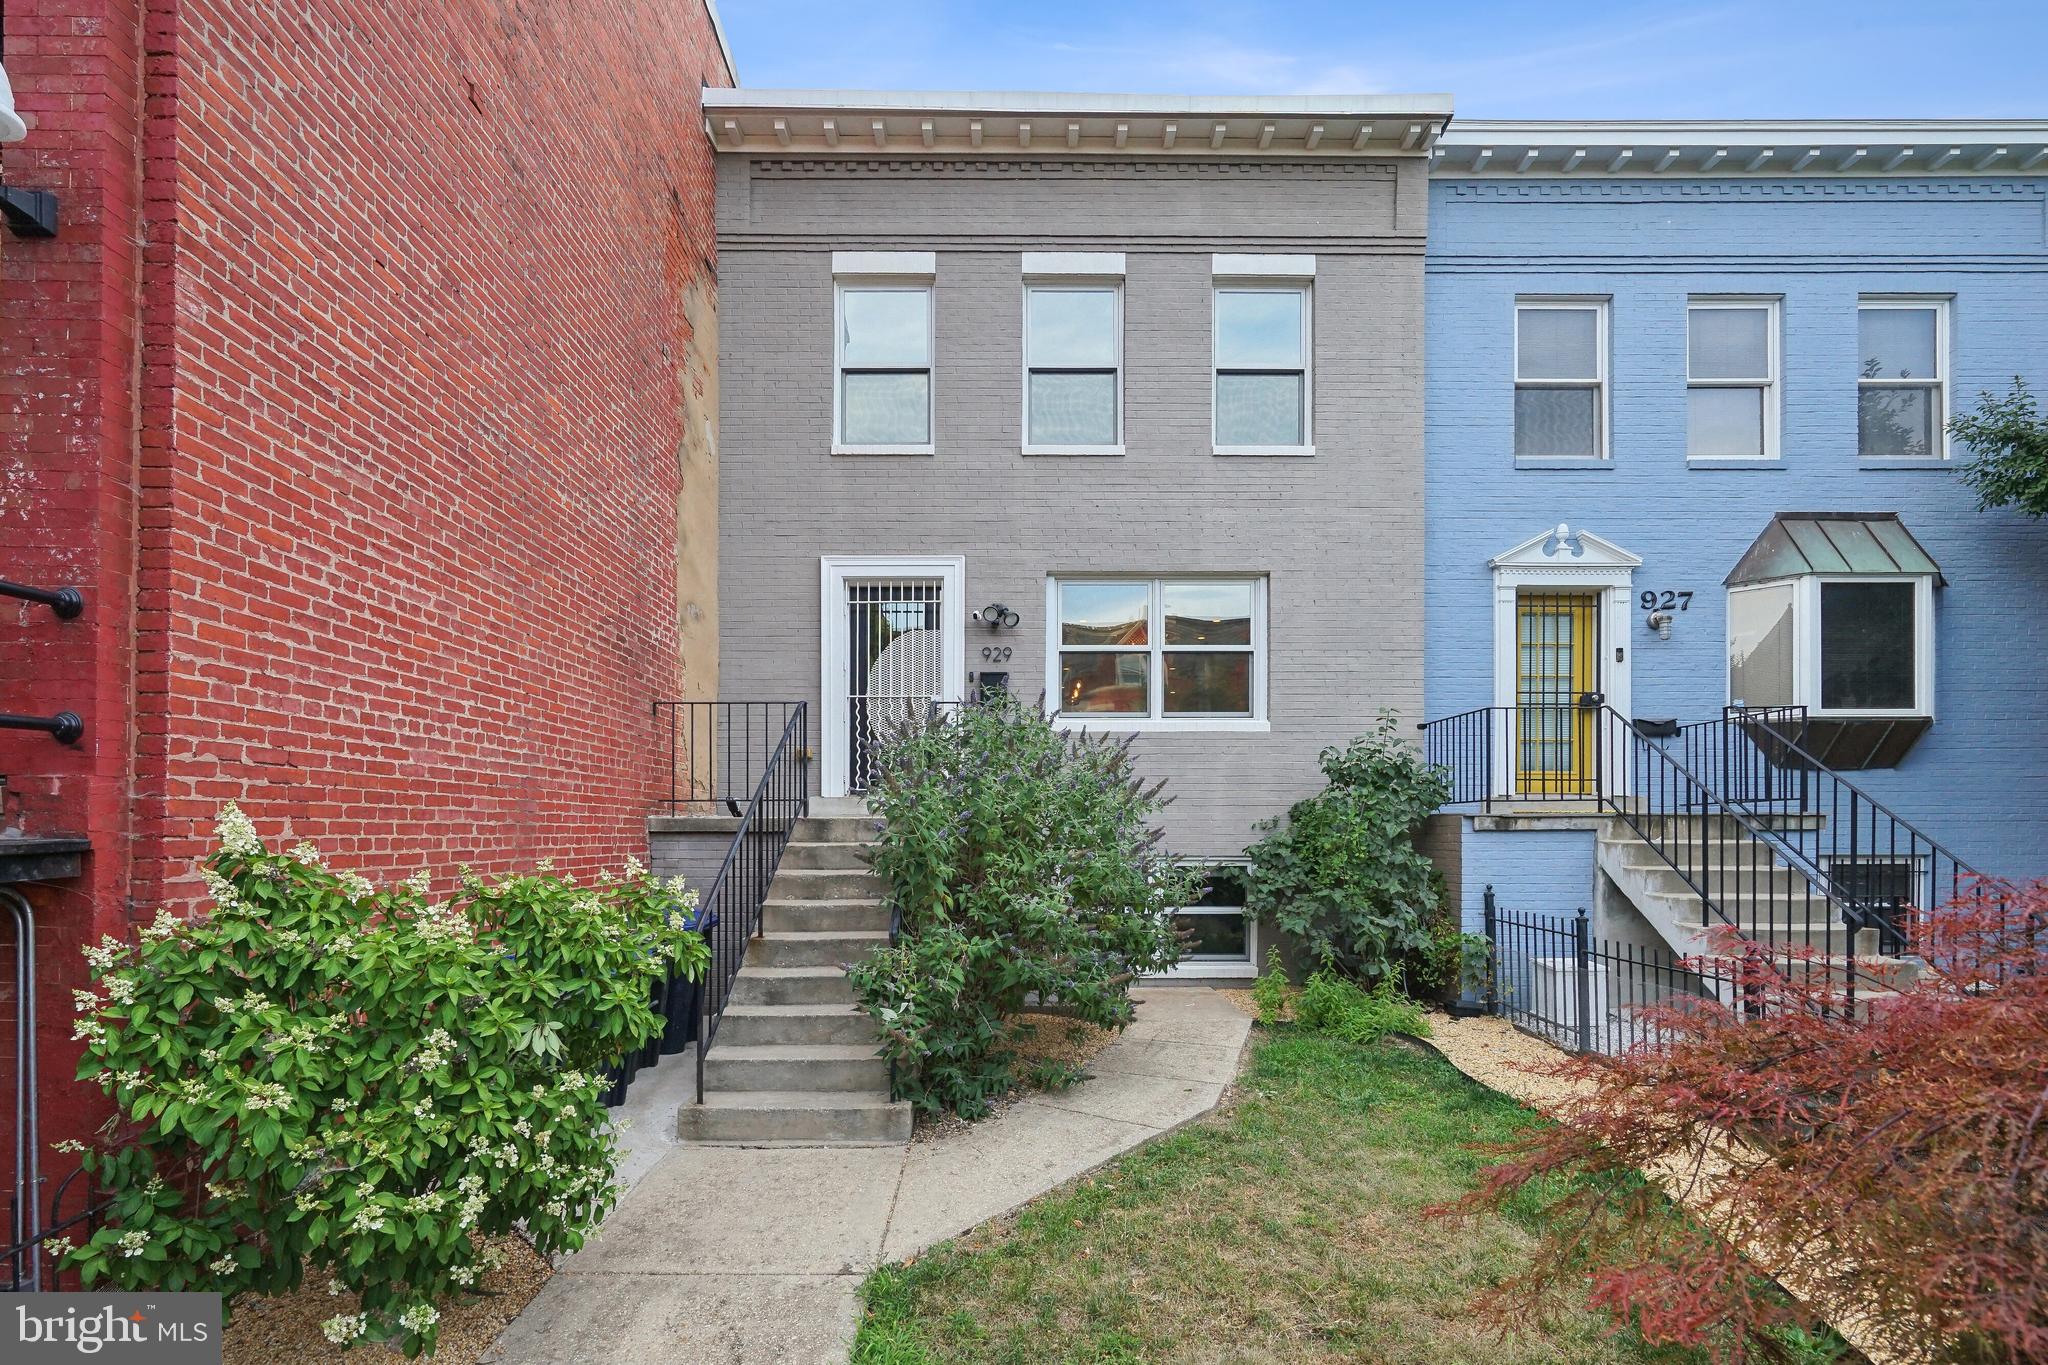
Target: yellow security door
(1557, 668)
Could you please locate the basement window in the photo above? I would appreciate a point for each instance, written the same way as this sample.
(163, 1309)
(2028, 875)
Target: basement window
(1222, 939)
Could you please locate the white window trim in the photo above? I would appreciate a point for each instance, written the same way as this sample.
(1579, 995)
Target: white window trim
(833, 573)
(1266, 284)
(1215, 968)
(1941, 304)
(1603, 405)
(855, 279)
(1773, 401)
(1082, 282)
(1806, 645)
(1156, 721)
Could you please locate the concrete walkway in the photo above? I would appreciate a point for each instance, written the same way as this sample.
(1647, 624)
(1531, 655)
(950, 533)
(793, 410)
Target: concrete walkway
(755, 1254)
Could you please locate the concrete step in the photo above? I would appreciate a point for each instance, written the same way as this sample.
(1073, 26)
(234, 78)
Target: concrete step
(794, 1066)
(810, 917)
(1745, 872)
(815, 949)
(826, 884)
(790, 986)
(834, 829)
(851, 857)
(770, 1025)
(1724, 824)
(794, 1116)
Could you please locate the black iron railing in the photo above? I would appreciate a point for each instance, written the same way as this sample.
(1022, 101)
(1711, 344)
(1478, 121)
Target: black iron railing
(30, 1262)
(731, 909)
(1768, 840)
(1553, 977)
(717, 751)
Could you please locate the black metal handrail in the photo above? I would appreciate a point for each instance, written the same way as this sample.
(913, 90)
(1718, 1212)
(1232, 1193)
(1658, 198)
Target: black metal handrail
(66, 727)
(718, 751)
(67, 603)
(731, 909)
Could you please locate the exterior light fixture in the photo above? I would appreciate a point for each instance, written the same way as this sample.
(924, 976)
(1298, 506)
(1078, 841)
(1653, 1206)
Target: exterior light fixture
(1660, 621)
(996, 616)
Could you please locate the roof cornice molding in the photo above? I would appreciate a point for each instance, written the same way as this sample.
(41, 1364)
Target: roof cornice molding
(1845, 148)
(926, 124)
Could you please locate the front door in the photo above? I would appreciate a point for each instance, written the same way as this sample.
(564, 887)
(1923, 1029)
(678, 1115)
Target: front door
(1557, 693)
(892, 655)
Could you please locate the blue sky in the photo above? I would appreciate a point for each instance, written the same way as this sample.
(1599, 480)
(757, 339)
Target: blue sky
(1789, 59)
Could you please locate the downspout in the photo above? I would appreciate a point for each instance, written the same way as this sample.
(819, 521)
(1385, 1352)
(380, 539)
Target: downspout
(28, 1216)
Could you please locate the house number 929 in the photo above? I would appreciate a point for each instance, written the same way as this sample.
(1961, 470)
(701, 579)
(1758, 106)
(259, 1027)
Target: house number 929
(1665, 601)
(996, 654)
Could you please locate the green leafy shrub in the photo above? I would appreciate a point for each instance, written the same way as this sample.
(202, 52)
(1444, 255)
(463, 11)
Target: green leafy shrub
(1022, 863)
(1270, 991)
(1342, 873)
(318, 1071)
(1454, 961)
(2009, 438)
(1330, 1004)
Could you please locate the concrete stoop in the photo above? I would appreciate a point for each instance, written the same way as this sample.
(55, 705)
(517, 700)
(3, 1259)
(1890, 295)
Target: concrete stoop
(795, 1062)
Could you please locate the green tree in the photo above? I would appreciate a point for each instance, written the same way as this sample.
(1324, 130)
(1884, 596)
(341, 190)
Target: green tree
(2010, 440)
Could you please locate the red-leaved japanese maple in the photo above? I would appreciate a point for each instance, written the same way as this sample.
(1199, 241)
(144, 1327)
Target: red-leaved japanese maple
(1887, 1163)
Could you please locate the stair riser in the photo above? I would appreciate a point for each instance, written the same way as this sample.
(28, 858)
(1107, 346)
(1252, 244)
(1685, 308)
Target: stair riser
(753, 1030)
(835, 829)
(865, 1123)
(750, 989)
(1782, 881)
(797, 1073)
(827, 886)
(809, 952)
(823, 917)
(835, 857)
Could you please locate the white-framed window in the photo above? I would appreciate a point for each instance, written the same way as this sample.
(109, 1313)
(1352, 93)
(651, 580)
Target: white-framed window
(1731, 378)
(1073, 367)
(1222, 939)
(1561, 379)
(1837, 644)
(1261, 398)
(1902, 400)
(1158, 653)
(882, 366)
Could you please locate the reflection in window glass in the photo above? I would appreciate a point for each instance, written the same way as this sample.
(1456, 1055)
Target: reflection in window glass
(884, 364)
(1216, 923)
(1159, 647)
(1901, 384)
(1867, 646)
(1761, 645)
(1105, 613)
(1071, 346)
(1261, 381)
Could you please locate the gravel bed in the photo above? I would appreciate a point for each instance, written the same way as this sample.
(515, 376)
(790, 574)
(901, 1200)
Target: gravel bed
(286, 1330)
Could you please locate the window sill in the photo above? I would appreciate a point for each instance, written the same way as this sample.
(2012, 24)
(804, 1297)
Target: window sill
(1877, 462)
(1714, 462)
(838, 449)
(1563, 462)
(1199, 971)
(1133, 725)
(1285, 452)
(1074, 450)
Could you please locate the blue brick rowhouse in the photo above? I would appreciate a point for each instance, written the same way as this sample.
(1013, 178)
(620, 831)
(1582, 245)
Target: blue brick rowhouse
(1686, 393)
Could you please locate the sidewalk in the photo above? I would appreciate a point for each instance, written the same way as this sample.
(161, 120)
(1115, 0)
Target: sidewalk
(755, 1254)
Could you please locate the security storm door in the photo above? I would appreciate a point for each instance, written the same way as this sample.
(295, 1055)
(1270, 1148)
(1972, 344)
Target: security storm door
(892, 649)
(1557, 692)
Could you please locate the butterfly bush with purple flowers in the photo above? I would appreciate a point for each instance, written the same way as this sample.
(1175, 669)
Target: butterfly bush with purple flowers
(1023, 865)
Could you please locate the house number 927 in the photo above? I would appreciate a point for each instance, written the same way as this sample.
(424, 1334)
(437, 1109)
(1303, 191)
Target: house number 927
(996, 654)
(1665, 601)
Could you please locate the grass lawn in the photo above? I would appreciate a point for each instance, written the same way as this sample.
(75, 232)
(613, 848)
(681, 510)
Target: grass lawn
(1286, 1227)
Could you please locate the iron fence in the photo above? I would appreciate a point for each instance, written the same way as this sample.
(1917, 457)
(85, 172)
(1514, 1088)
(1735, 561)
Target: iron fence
(31, 1259)
(1551, 976)
(716, 752)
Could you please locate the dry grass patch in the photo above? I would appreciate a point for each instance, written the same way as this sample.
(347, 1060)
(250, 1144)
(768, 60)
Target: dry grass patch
(1286, 1227)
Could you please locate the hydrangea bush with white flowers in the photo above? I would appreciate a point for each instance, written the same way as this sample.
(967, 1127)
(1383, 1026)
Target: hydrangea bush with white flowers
(320, 1071)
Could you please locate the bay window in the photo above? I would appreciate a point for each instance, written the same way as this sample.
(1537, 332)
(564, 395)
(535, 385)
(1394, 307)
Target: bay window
(1838, 645)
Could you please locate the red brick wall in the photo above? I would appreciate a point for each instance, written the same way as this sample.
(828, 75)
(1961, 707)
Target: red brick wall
(364, 360)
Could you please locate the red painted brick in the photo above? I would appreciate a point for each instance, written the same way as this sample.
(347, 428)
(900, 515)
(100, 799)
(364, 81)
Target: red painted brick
(352, 401)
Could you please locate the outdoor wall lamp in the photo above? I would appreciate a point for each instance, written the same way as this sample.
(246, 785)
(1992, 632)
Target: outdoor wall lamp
(996, 616)
(1660, 621)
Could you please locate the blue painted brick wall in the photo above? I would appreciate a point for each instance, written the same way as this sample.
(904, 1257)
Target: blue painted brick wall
(1979, 781)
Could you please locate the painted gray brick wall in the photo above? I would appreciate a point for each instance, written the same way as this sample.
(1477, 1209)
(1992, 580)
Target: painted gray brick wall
(1339, 534)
